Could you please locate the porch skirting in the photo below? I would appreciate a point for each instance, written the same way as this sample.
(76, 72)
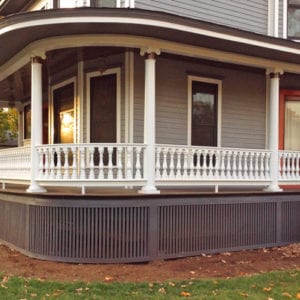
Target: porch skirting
(137, 228)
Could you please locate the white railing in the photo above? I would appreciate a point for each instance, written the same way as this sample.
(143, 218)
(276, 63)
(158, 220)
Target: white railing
(91, 162)
(15, 164)
(289, 166)
(204, 164)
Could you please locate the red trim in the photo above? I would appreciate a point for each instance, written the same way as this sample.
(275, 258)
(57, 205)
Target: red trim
(282, 97)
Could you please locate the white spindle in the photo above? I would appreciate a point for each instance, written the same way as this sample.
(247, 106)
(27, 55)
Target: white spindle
(110, 162)
(52, 153)
(82, 163)
(138, 163)
(262, 166)
(91, 163)
(172, 165)
(251, 174)
(66, 163)
(297, 166)
(234, 165)
(101, 165)
(288, 166)
(178, 173)
(119, 163)
(222, 164)
(129, 163)
(239, 165)
(204, 163)
(165, 165)
(58, 164)
(157, 163)
(74, 162)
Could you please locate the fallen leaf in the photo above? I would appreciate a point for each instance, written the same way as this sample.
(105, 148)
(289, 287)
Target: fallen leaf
(243, 294)
(33, 295)
(162, 291)
(267, 289)
(224, 261)
(151, 285)
(185, 294)
(5, 279)
(193, 272)
(108, 278)
(288, 295)
(172, 284)
(298, 296)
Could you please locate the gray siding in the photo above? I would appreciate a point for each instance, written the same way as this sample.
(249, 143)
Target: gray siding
(243, 103)
(246, 15)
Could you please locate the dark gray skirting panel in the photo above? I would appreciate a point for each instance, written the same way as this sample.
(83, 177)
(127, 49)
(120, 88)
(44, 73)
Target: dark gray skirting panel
(99, 229)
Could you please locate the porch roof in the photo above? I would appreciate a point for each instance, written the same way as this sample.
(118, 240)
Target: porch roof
(20, 30)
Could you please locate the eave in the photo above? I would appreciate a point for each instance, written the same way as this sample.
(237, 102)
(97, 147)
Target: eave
(29, 32)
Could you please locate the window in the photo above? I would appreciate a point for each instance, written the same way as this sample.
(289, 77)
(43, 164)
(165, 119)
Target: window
(294, 19)
(27, 122)
(63, 113)
(91, 3)
(204, 111)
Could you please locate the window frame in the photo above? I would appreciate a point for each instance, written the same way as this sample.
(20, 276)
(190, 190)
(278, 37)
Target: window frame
(219, 84)
(289, 5)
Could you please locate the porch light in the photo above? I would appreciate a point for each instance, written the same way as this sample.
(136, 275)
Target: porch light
(67, 126)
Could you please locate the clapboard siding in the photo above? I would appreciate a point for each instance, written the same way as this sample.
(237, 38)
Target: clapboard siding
(246, 15)
(243, 103)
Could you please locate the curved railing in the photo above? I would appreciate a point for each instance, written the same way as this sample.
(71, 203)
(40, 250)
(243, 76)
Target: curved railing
(15, 164)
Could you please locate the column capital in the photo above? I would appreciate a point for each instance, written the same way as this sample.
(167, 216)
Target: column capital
(36, 60)
(274, 72)
(39, 54)
(150, 52)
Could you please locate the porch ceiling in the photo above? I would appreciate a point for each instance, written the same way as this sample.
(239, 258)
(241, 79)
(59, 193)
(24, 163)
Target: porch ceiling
(20, 30)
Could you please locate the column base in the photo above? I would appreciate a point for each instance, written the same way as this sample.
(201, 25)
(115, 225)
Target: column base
(149, 190)
(35, 188)
(273, 188)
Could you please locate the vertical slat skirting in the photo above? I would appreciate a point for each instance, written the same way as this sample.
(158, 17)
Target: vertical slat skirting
(290, 222)
(137, 230)
(188, 229)
(90, 234)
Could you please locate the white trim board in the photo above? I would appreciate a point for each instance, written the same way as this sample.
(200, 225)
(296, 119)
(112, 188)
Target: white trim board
(189, 106)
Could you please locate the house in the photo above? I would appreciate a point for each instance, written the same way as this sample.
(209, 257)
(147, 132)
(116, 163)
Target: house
(150, 96)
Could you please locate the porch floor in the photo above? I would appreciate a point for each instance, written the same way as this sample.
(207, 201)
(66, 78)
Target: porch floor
(132, 192)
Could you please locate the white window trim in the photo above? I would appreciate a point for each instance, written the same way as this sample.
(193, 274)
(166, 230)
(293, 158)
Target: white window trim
(219, 107)
(284, 18)
(51, 107)
(90, 75)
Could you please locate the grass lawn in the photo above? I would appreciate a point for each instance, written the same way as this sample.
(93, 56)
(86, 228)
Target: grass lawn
(274, 285)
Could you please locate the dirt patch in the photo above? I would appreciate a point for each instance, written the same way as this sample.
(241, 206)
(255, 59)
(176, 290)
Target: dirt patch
(216, 265)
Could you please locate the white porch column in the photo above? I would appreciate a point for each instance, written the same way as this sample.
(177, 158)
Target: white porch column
(36, 121)
(149, 122)
(274, 128)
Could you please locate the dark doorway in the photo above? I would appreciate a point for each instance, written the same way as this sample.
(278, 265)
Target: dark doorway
(103, 121)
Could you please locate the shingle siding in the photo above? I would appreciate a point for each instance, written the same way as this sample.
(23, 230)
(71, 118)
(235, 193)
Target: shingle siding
(247, 15)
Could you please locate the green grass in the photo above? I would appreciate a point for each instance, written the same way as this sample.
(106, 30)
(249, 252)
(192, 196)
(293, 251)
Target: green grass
(274, 285)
